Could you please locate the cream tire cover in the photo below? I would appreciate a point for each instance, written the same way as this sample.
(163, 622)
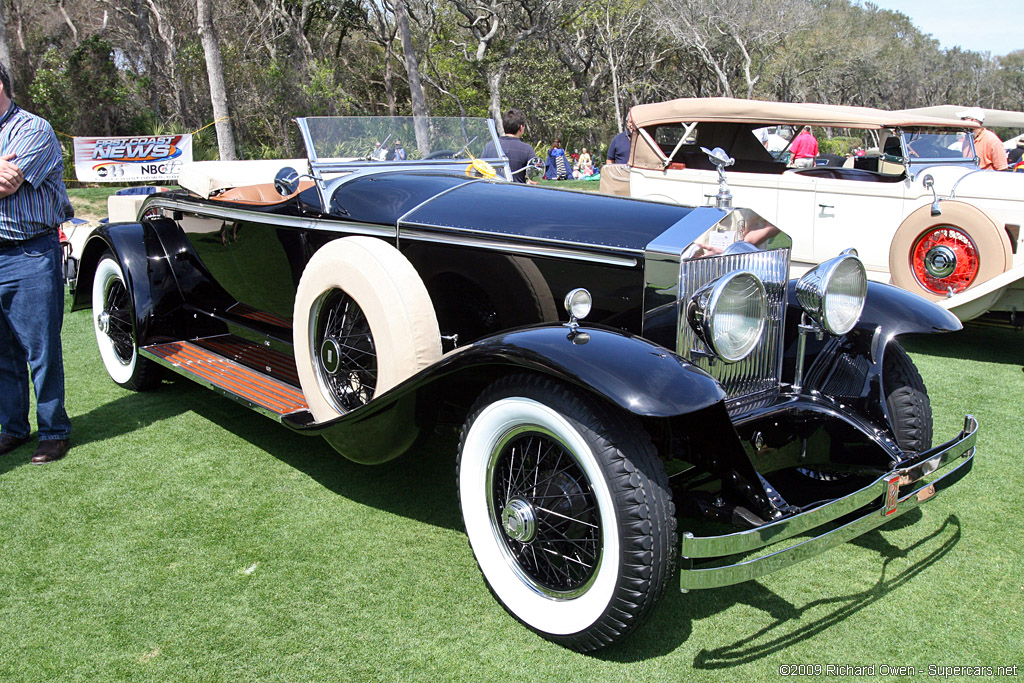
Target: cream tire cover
(394, 300)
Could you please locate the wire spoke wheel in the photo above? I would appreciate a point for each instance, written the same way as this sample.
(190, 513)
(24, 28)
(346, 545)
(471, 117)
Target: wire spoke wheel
(116, 328)
(945, 260)
(544, 511)
(119, 321)
(567, 509)
(346, 356)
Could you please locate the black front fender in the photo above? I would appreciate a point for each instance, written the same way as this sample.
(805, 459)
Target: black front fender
(632, 373)
(146, 269)
(898, 311)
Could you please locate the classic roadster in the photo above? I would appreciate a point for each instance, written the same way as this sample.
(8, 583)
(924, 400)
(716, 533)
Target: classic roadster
(639, 385)
(909, 197)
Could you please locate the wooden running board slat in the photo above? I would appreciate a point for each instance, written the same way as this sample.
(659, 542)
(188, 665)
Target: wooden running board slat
(259, 358)
(235, 379)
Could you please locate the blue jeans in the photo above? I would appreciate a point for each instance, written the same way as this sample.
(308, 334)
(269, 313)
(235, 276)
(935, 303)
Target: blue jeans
(31, 315)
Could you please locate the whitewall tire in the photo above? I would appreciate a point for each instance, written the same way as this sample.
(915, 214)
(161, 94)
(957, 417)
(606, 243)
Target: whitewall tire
(113, 318)
(567, 510)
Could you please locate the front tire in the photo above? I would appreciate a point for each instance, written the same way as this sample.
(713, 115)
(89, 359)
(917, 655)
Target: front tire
(907, 400)
(567, 509)
(113, 319)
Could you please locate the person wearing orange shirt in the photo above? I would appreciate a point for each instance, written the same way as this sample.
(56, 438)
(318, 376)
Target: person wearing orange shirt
(987, 145)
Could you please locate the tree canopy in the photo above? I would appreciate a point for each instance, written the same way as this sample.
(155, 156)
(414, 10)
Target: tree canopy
(132, 67)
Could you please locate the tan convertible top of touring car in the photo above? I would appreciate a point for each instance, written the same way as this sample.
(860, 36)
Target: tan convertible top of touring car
(731, 110)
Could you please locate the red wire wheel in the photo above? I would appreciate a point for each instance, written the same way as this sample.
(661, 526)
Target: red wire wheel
(958, 249)
(945, 260)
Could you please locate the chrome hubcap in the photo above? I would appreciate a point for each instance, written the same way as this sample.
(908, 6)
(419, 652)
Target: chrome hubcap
(330, 356)
(103, 322)
(519, 520)
(940, 261)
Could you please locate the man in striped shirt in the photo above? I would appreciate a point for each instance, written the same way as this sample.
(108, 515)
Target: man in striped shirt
(33, 204)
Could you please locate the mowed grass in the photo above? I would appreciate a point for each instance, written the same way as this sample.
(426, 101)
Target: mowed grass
(185, 538)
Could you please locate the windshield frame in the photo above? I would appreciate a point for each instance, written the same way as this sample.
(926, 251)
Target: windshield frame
(909, 136)
(466, 136)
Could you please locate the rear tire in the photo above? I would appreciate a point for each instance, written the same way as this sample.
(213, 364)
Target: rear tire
(568, 511)
(113, 319)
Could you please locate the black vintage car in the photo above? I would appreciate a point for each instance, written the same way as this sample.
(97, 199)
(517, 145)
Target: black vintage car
(640, 386)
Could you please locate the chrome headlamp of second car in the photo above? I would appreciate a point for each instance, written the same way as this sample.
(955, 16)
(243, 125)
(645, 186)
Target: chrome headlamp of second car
(728, 314)
(833, 293)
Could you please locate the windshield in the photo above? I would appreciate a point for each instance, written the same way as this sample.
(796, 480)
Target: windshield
(938, 145)
(394, 138)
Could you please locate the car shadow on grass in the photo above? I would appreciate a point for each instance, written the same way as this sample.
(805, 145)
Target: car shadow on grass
(787, 624)
(419, 485)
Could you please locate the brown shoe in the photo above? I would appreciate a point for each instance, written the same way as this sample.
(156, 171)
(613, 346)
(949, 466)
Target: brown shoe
(50, 451)
(8, 443)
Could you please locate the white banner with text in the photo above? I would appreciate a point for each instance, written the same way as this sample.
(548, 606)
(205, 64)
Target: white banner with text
(131, 159)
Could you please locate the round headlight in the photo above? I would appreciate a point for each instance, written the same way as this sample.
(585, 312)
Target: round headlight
(578, 303)
(728, 314)
(833, 293)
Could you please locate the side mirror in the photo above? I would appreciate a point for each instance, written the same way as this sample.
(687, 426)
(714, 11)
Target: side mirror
(286, 182)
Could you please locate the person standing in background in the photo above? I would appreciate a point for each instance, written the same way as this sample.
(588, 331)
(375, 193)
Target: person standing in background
(804, 149)
(618, 150)
(987, 145)
(33, 205)
(513, 148)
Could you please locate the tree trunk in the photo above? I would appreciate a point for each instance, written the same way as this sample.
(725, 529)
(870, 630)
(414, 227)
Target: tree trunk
(215, 71)
(412, 68)
(5, 50)
(494, 78)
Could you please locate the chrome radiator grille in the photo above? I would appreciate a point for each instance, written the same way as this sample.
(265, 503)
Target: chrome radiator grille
(760, 372)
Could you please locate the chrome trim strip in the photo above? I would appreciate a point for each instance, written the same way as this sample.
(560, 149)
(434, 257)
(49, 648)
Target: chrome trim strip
(424, 233)
(963, 446)
(231, 213)
(202, 381)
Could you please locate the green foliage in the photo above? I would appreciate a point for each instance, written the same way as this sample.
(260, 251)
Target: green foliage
(839, 144)
(537, 83)
(319, 58)
(85, 93)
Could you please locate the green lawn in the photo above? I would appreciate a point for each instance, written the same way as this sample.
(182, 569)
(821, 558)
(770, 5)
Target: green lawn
(187, 538)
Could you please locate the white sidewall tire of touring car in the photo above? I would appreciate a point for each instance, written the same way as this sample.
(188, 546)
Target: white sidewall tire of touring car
(544, 613)
(995, 254)
(393, 299)
(108, 274)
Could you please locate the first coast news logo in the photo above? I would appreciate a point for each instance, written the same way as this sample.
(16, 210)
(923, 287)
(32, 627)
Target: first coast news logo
(126, 158)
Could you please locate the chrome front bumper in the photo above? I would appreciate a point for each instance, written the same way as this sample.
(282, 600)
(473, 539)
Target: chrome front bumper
(701, 551)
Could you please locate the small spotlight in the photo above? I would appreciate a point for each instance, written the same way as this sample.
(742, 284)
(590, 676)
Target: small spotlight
(578, 303)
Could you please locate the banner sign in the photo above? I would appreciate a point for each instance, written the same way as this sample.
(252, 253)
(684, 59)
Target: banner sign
(131, 159)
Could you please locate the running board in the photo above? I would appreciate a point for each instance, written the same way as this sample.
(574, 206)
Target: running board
(224, 363)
